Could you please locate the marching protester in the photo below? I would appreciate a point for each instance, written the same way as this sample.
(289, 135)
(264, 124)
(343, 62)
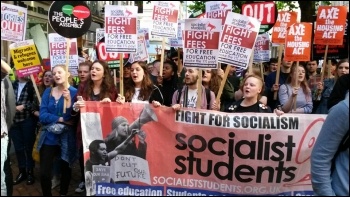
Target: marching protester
(272, 67)
(168, 82)
(83, 72)
(8, 110)
(270, 80)
(239, 94)
(296, 92)
(330, 155)
(22, 132)
(326, 87)
(141, 89)
(188, 95)
(96, 86)
(339, 90)
(252, 88)
(155, 71)
(212, 79)
(47, 82)
(58, 136)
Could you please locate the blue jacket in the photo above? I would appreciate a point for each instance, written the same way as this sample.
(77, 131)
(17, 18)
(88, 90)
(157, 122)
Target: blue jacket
(49, 114)
(333, 130)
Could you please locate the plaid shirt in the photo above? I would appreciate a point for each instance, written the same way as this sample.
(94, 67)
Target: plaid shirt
(24, 99)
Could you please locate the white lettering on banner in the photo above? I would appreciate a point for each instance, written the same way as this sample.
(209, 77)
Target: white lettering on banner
(254, 157)
(237, 121)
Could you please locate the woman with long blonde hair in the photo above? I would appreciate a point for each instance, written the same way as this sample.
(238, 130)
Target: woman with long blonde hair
(296, 92)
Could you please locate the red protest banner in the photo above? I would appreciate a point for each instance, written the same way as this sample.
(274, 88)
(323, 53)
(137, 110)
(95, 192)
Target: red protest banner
(196, 152)
(330, 25)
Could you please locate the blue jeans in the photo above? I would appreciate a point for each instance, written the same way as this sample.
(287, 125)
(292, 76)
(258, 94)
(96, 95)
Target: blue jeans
(23, 138)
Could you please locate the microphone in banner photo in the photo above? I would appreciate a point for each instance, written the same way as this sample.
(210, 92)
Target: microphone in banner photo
(121, 129)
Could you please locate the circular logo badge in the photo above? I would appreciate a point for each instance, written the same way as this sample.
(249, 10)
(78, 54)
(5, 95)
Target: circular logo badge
(70, 19)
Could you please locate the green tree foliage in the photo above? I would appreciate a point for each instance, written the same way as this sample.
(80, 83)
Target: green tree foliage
(307, 8)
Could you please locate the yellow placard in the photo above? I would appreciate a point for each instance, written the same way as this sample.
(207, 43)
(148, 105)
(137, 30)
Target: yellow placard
(24, 55)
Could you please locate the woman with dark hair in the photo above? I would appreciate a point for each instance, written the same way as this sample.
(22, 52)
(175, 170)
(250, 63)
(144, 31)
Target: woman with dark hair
(167, 83)
(99, 86)
(141, 89)
(326, 87)
(289, 92)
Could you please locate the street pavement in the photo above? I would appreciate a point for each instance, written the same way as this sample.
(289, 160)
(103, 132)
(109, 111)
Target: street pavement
(23, 189)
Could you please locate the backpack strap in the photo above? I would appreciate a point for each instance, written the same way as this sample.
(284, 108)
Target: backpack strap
(179, 92)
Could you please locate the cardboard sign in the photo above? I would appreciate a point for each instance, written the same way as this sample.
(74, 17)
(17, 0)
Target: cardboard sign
(262, 48)
(298, 42)
(100, 33)
(177, 42)
(25, 58)
(120, 28)
(146, 32)
(265, 12)
(70, 19)
(218, 9)
(58, 50)
(330, 25)
(141, 53)
(284, 20)
(334, 51)
(13, 22)
(201, 38)
(165, 15)
(237, 39)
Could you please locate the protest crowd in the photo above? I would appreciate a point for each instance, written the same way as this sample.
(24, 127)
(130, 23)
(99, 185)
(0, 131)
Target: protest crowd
(41, 112)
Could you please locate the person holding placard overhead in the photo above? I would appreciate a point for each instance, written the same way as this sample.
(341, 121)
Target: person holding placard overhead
(296, 92)
(58, 136)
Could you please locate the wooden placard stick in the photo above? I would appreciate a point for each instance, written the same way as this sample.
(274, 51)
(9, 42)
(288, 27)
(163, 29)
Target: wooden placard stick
(66, 69)
(35, 88)
(329, 69)
(121, 74)
(295, 84)
(280, 50)
(250, 66)
(199, 89)
(222, 85)
(318, 96)
(162, 58)
(115, 76)
(262, 70)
